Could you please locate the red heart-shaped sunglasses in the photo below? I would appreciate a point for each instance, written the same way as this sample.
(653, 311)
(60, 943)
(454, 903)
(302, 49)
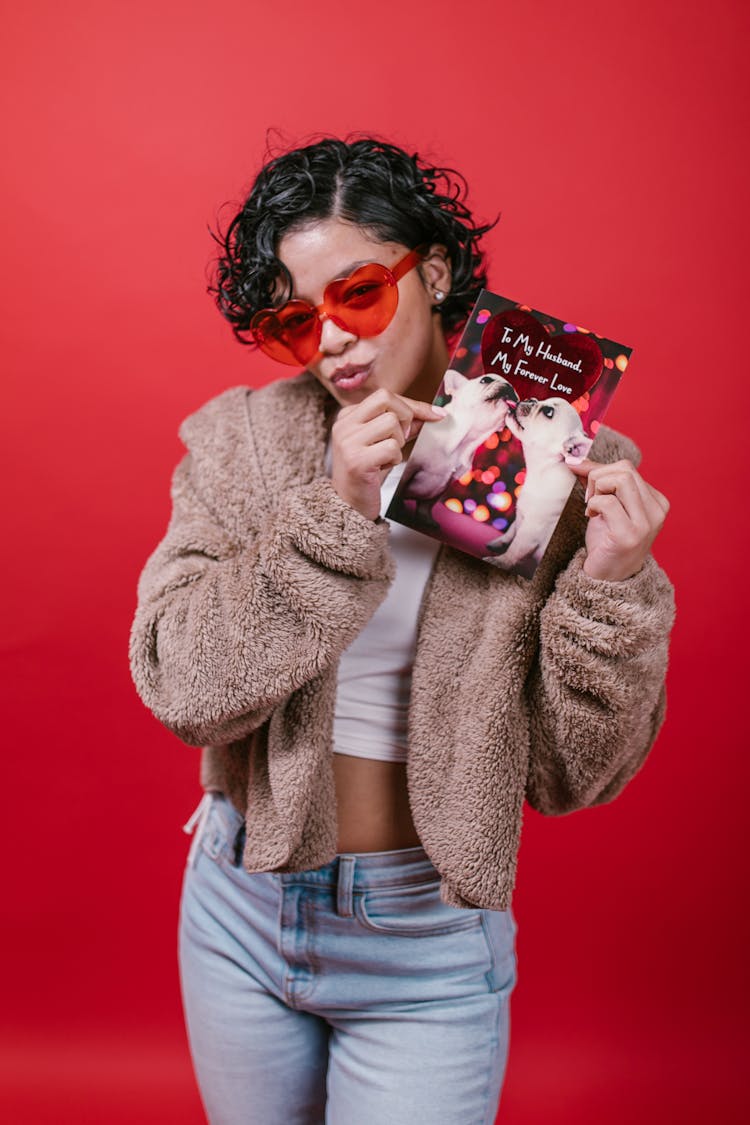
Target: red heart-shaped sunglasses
(364, 303)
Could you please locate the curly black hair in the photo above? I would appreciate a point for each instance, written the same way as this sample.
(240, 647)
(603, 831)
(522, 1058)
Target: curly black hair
(380, 187)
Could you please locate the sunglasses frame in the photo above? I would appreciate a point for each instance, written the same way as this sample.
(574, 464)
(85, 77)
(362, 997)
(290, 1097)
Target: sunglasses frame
(324, 311)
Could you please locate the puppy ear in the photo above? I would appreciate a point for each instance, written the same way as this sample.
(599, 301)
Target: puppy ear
(453, 380)
(576, 447)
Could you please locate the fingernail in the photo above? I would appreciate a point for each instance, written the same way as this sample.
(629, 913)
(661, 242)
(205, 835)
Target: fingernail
(440, 411)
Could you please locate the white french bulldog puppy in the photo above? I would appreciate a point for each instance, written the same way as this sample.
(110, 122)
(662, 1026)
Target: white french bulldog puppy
(552, 437)
(445, 449)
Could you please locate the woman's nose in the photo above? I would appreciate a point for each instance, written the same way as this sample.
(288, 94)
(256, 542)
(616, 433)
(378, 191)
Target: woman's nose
(333, 338)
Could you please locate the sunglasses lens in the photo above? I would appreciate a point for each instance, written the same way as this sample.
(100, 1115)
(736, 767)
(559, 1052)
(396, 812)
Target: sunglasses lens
(290, 335)
(365, 301)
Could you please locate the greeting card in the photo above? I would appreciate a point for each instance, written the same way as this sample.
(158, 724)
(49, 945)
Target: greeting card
(525, 394)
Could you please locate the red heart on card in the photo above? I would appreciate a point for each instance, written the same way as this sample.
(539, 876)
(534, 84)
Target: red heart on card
(538, 364)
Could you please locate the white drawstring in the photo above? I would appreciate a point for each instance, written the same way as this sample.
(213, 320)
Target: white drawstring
(198, 817)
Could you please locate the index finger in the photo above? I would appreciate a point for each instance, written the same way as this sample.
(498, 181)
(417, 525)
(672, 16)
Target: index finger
(406, 409)
(427, 411)
(584, 466)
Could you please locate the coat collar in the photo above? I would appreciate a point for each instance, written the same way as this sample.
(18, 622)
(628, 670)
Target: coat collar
(290, 420)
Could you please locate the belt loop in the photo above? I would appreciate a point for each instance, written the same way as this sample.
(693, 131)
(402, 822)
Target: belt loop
(344, 897)
(239, 845)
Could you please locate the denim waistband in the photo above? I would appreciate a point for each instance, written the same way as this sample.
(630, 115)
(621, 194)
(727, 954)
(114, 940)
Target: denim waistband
(362, 870)
(352, 872)
(347, 872)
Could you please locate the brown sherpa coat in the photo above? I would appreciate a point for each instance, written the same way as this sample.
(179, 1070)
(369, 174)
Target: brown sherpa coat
(550, 689)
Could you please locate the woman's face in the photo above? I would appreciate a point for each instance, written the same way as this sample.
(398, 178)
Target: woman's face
(410, 356)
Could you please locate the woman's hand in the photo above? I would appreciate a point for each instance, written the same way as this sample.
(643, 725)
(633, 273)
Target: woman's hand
(625, 516)
(366, 442)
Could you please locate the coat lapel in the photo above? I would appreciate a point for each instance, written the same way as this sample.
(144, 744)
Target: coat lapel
(289, 423)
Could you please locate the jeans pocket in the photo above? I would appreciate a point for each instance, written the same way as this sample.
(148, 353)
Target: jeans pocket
(214, 823)
(415, 910)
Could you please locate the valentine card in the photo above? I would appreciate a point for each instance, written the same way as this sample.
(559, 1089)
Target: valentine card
(524, 395)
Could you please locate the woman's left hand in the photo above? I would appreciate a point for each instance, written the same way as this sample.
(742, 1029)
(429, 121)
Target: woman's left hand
(625, 516)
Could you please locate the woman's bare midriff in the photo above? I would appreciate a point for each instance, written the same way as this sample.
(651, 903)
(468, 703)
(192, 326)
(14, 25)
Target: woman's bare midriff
(373, 805)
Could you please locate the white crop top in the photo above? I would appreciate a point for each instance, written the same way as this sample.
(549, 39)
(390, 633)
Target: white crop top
(374, 682)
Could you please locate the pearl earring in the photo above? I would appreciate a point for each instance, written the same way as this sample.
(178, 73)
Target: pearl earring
(439, 295)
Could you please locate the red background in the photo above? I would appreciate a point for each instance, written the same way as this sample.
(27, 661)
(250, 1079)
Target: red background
(610, 137)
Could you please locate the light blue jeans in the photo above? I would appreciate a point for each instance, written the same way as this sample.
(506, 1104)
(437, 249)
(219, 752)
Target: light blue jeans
(344, 995)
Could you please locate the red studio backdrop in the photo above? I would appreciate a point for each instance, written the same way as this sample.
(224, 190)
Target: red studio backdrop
(611, 139)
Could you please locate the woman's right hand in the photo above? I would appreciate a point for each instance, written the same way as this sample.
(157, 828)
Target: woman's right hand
(367, 441)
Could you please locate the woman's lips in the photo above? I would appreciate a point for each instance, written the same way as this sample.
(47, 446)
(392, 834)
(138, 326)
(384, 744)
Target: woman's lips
(351, 378)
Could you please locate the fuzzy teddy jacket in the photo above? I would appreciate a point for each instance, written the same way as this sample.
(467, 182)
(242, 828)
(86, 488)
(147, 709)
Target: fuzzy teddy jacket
(549, 690)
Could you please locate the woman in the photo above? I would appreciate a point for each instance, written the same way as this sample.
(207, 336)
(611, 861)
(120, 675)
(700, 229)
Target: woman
(347, 943)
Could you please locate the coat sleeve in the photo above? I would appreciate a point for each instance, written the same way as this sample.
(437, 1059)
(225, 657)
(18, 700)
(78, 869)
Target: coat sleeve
(596, 691)
(223, 631)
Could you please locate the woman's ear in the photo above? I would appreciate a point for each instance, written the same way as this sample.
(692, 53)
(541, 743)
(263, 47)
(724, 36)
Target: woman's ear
(435, 269)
